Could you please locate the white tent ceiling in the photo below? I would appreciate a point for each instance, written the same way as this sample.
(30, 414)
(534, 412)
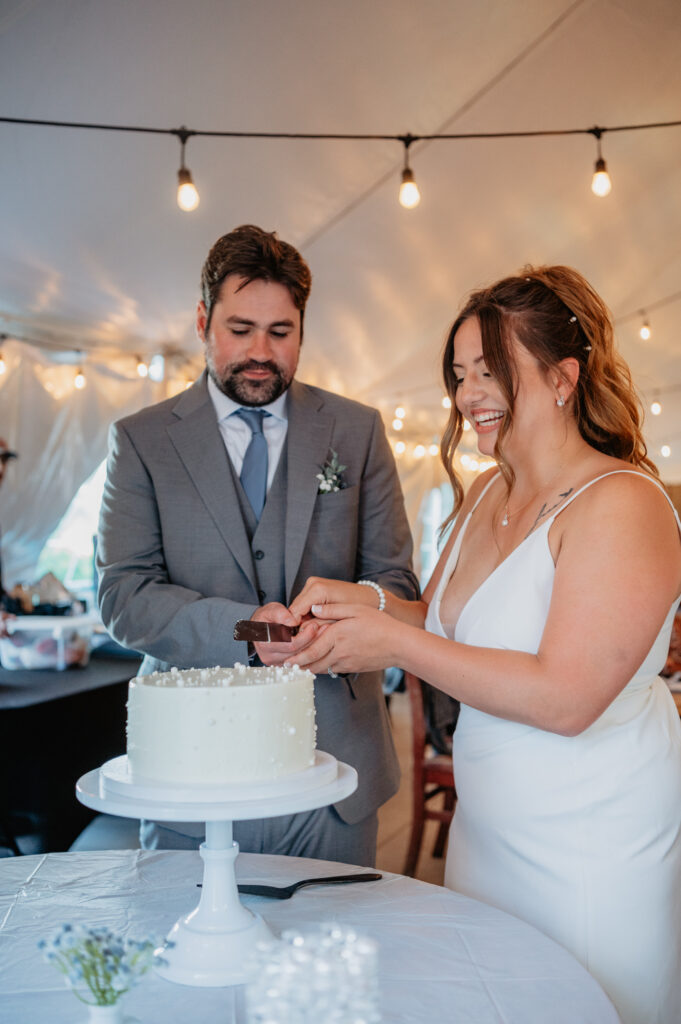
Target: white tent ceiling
(95, 253)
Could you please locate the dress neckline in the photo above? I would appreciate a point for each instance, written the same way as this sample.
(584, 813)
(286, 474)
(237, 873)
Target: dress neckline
(453, 559)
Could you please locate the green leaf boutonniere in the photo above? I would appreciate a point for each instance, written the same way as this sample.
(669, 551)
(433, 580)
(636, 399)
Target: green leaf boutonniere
(331, 476)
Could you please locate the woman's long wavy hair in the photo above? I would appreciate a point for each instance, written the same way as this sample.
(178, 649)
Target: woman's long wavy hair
(556, 314)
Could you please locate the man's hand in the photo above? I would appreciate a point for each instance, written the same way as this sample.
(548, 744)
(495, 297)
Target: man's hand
(278, 653)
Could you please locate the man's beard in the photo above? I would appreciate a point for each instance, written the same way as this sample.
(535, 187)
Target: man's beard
(249, 392)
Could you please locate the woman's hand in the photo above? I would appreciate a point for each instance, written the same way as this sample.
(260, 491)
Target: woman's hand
(354, 638)
(318, 591)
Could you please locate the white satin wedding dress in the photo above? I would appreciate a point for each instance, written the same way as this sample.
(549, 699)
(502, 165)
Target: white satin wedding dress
(579, 836)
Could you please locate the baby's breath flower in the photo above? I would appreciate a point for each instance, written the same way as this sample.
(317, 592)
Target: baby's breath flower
(106, 964)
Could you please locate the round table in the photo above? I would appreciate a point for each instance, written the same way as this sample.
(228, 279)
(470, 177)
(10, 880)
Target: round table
(442, 957)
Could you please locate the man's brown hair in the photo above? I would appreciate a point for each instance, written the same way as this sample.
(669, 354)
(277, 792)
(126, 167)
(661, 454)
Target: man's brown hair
(255, 255)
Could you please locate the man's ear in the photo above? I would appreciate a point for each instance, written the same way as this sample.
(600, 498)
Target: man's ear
(201, 321)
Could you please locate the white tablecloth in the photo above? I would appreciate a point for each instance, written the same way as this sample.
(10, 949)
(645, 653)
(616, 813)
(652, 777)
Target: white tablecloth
(442, 957)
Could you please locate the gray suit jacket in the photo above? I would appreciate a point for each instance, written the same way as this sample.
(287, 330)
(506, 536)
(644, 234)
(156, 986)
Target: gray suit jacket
(177, 566)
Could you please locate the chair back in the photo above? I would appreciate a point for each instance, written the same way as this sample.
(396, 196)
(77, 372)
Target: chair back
(433, 722)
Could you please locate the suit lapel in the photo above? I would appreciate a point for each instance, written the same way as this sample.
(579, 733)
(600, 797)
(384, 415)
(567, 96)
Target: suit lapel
(197, 440)
(308, 439)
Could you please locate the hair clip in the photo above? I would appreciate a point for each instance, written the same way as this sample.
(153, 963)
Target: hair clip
(587, 348)
(573, 319)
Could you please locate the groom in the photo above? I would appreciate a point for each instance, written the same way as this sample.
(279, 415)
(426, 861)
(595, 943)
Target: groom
(213, 512)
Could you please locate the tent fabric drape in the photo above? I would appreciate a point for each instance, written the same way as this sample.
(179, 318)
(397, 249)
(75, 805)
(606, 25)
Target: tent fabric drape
(61, 436)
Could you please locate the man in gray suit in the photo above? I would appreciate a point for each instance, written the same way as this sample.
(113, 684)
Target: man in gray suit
(185, 548)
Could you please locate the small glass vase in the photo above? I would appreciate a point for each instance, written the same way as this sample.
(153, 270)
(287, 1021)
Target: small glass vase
(112, 1014)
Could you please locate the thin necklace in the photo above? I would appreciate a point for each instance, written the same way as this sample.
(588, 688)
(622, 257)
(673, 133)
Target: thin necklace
(507, 514)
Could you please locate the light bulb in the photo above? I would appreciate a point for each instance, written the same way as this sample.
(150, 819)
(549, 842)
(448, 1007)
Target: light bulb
(656, 408)
(157, 367)
(446, 402)
(399, 412)
(665, 450)
(142, 368)
(79, 380)
(419, 451)
(400, 448)
(187, 195)
(433, 449)
(466, 425)
(600, 183)
(409, 191)
(645, 331)
(3, 368)
(397, 424)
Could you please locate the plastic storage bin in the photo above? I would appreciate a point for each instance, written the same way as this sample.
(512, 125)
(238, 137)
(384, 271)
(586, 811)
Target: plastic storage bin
(47, 641)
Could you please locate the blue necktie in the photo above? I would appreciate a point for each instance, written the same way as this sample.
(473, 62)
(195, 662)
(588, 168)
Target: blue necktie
(254, 469)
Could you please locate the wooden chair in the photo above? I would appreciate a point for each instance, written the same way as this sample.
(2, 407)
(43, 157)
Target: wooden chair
(432, 770)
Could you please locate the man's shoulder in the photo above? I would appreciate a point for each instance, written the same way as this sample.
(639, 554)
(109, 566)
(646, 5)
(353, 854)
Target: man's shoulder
(166, 411)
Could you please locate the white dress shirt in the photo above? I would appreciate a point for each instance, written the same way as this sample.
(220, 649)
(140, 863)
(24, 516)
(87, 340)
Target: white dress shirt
(236, 433)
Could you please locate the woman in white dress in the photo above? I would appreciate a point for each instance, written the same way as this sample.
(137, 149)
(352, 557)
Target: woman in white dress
(549, 617)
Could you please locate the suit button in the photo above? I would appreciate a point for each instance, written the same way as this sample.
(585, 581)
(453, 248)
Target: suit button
(258, 554)
(261, 595)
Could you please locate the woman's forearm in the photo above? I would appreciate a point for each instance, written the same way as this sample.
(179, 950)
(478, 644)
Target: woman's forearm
(413, 613)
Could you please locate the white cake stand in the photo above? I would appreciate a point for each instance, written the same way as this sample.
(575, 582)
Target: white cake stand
(214, 944)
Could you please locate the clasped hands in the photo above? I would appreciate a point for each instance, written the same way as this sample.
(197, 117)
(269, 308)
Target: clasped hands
(338, 627)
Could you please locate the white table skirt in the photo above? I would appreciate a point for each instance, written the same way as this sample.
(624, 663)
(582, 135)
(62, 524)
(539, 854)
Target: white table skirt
(442, 957)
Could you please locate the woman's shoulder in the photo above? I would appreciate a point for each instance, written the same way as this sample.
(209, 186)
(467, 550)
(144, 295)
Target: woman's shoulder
(615, 489)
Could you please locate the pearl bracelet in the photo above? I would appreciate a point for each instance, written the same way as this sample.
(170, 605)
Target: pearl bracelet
(379, 590)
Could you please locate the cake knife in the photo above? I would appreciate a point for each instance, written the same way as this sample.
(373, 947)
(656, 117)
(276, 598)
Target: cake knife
(258, 632)
(284, 892)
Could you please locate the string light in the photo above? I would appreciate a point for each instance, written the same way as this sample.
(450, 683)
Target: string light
(397, 424)
(656, 407)
(157, 367)
(3, 368)
(645, 333)
(601, 180)
(400, 448)
(665, 451)
(600, 183)
(187, 194)
(433, 449)
(446, 402)
(419, 451)
(409, 190)
(79, 381)
(400, 412)
(142, 368)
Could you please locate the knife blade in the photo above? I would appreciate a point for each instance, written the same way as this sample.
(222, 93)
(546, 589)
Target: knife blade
(264, 632)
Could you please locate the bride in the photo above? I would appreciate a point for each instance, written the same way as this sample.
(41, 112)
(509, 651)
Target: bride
(548, 616)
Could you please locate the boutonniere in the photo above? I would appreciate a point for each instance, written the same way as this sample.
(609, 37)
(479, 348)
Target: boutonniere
(331, 476)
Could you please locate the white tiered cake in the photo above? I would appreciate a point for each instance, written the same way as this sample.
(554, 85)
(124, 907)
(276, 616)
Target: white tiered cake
(221, 725)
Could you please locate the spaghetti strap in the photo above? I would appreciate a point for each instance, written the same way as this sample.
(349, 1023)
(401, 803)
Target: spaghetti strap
(483, 492)
(614, 472)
